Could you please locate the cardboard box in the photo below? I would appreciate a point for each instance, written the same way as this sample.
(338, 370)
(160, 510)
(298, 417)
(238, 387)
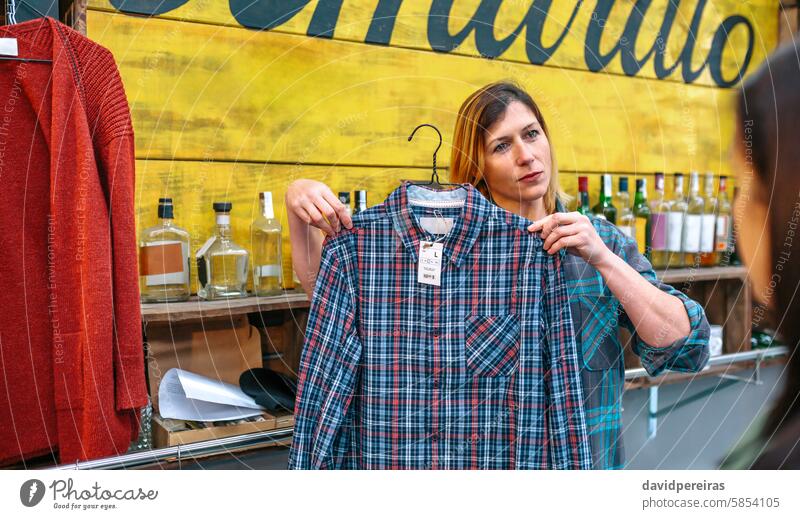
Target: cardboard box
(220, 349)
(168, 432)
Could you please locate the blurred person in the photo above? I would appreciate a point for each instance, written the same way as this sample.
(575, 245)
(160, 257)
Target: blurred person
(767, 213)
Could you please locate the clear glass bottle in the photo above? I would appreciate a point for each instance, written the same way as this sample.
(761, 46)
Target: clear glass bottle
(583, 196)
(708, 253)
(641, 213)
(693, 222)
(675, 217)
(722, 229)
(604, 208)
(164, 259)
(266, 234)
(626, 222)
(659, 211)
(361, 201)
(222, 264)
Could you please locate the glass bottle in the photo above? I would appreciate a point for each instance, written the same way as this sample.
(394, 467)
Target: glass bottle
(626, 222)
(708, 253)
(361, 201)
(722, 229)
(267, 250)
(675, 217)
(659, 210)
(164, 259)
(604, 208)
(641, 212)
(583, 196)
(693, 222)
(222, 264)
(344, 198)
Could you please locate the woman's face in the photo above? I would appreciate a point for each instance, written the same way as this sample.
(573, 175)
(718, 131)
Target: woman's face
(517, 158)
(751, 217)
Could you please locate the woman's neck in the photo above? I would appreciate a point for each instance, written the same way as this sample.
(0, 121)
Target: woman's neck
(530, 209)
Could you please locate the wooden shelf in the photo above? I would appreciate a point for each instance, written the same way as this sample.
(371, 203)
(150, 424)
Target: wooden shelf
(197, 309)
(702, 274)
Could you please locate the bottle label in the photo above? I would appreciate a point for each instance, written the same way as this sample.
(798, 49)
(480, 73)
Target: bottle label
(722, 233)
(692, 225)
(267, 271)
(641, 234)
(658, 231)
(164, 262)
(707, 233)
(627, 230)
(674, 231)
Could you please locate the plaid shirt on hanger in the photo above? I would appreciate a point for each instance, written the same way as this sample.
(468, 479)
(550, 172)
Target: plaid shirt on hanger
(480, 372)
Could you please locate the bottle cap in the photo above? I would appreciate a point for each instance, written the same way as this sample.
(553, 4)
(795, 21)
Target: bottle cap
(623, 183)
(583, 184)
(344, 197)
(165, 208)
(223, 207)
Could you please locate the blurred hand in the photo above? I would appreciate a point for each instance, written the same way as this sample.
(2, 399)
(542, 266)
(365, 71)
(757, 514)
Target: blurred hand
(314, 203)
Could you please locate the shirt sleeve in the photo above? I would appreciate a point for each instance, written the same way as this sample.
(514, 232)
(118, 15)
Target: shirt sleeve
(688, 354)
(328, 367)
(569, 447)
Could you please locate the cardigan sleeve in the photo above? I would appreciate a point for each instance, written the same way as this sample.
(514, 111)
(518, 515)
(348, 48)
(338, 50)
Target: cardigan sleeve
(112, 132)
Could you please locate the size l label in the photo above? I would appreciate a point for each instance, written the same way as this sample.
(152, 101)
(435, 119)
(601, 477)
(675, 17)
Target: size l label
(429, 270)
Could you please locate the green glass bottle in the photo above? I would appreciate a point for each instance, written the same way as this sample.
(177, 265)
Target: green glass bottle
(641, 212)
(604, 207)
(583, 196)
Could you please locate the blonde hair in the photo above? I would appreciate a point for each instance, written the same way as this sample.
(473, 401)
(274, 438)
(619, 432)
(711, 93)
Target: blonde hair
(479, 112)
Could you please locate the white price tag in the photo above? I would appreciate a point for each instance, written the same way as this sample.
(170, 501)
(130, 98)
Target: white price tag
(8, 47)
(429, 269)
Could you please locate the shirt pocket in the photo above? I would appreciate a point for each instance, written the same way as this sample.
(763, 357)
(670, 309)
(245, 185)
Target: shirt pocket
(599, 325)
(492, 344)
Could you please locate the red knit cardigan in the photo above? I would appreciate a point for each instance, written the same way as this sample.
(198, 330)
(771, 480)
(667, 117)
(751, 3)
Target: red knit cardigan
(71, 357)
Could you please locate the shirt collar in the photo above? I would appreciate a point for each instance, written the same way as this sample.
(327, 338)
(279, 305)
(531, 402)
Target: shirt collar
(462, 236)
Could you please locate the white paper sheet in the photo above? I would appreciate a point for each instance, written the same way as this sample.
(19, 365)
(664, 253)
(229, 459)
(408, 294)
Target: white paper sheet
(183, 395)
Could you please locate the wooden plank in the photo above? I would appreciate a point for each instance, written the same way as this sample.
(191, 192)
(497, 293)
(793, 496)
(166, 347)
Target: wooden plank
(675, 377)
(703, 274)
(196, 310)
(218, 93)
(590, 29)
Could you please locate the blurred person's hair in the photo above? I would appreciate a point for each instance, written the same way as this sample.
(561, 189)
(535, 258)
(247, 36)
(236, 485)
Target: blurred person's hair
(769, 107)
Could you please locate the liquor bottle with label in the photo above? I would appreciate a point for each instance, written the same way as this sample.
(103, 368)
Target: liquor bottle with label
(675, 217)
(722, 229)
(221, 263)
(361, 201)
(659, 211)
(344, 197)
(164, 259)
(604, 208)
(265, 233)
(626, 222)
(641, 212)
(693, 222)
(708, 253)
(583, 196)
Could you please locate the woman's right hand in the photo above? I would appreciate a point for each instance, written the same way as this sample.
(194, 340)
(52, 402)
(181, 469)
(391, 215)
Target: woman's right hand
(315, 204)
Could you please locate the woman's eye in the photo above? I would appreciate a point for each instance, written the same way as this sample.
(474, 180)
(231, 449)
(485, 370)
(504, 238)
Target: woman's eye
(533, 133)
(501, 146)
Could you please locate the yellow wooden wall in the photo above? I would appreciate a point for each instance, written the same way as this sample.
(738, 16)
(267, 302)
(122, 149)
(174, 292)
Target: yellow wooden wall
(223, 111)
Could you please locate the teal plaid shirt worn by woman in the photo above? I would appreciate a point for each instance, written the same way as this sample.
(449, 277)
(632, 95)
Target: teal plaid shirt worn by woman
(597, 315)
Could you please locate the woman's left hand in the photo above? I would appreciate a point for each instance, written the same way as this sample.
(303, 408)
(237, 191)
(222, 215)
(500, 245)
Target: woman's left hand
(574, 232)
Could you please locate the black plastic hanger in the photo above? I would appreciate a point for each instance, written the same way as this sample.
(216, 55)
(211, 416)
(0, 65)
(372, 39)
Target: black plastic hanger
(13, 4)
(434, 182)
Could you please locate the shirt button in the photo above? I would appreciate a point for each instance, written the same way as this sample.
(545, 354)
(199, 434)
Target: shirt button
(396, 333)
(435, 437)
(436, 333)
(435, 383)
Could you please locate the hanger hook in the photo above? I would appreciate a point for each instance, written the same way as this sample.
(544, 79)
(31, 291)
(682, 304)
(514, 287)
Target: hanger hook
(435, 175)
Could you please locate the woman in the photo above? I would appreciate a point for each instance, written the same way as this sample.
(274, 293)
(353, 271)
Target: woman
(767, 214)
(501, 146)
